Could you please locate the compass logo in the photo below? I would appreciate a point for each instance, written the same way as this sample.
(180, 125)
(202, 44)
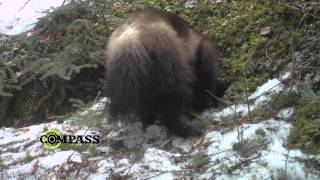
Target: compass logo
(53, 139)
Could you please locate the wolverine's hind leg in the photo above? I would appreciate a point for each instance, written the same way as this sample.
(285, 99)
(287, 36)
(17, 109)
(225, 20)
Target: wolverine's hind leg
(182, 125)
(176, 118)
(206, 71)
(147, 119)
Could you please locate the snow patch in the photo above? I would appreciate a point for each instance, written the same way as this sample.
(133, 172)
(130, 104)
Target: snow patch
(160, 160)
(273, 160)
(285, 76)
(22, 134)
(105, 165)
(59, 158)
(239, 109)
(165, 176)
(260, 98)
(98, 176)
(17, 16)
(286, 113)
(10, 158)
(100, 104)
(273, 85)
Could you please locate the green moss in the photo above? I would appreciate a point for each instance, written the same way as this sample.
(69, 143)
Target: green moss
(237, 29)
(28, 158)
(285, 99)
(248, 147)
(252, 83)
(309, 109)
(199, 159)
(78, 147)
(206, 123)
(86, 115)
(306, 131)
(260, 113)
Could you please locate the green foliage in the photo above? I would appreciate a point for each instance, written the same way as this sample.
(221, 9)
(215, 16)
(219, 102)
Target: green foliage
(285, 99)
(306, 131)
(261, 113)
(60, 58)
(87, 114)
(8, 75)
(27, 158)
(77, 147)
(236, 27)
(8, 81)
(249, 147)
(252, 82)
(199, 159)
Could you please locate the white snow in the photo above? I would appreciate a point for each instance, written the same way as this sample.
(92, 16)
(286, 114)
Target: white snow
(14, 171)
(273, 85)
(260, 98)
(285, 76)
(17, 16)
(98, 177)
(10, 157)
(159, 160)
(105, 165)
(47, 162)
(286, 113)
(164, 176)
(239, 109)
(100, 104)
(59, 157)
(272, 159)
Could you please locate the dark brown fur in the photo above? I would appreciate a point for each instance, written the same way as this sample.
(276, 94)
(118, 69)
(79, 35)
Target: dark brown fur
(158, 67)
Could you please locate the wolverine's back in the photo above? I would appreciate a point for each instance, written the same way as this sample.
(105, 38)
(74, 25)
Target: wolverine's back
(151, 69)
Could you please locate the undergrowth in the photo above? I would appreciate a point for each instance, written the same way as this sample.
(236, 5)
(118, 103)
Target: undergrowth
(61, 58)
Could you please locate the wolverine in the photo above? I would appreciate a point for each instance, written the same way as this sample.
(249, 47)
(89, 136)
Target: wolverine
(159, 68)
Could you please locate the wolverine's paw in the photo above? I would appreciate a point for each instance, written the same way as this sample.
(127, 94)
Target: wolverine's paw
(185, 127)
(192, 128)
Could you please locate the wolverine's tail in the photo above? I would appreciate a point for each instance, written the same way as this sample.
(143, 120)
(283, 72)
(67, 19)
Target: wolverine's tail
(146, 68)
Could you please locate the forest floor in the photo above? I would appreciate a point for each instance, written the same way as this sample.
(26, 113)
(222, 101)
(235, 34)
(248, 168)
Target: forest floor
(254, 150)
(250, 139)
